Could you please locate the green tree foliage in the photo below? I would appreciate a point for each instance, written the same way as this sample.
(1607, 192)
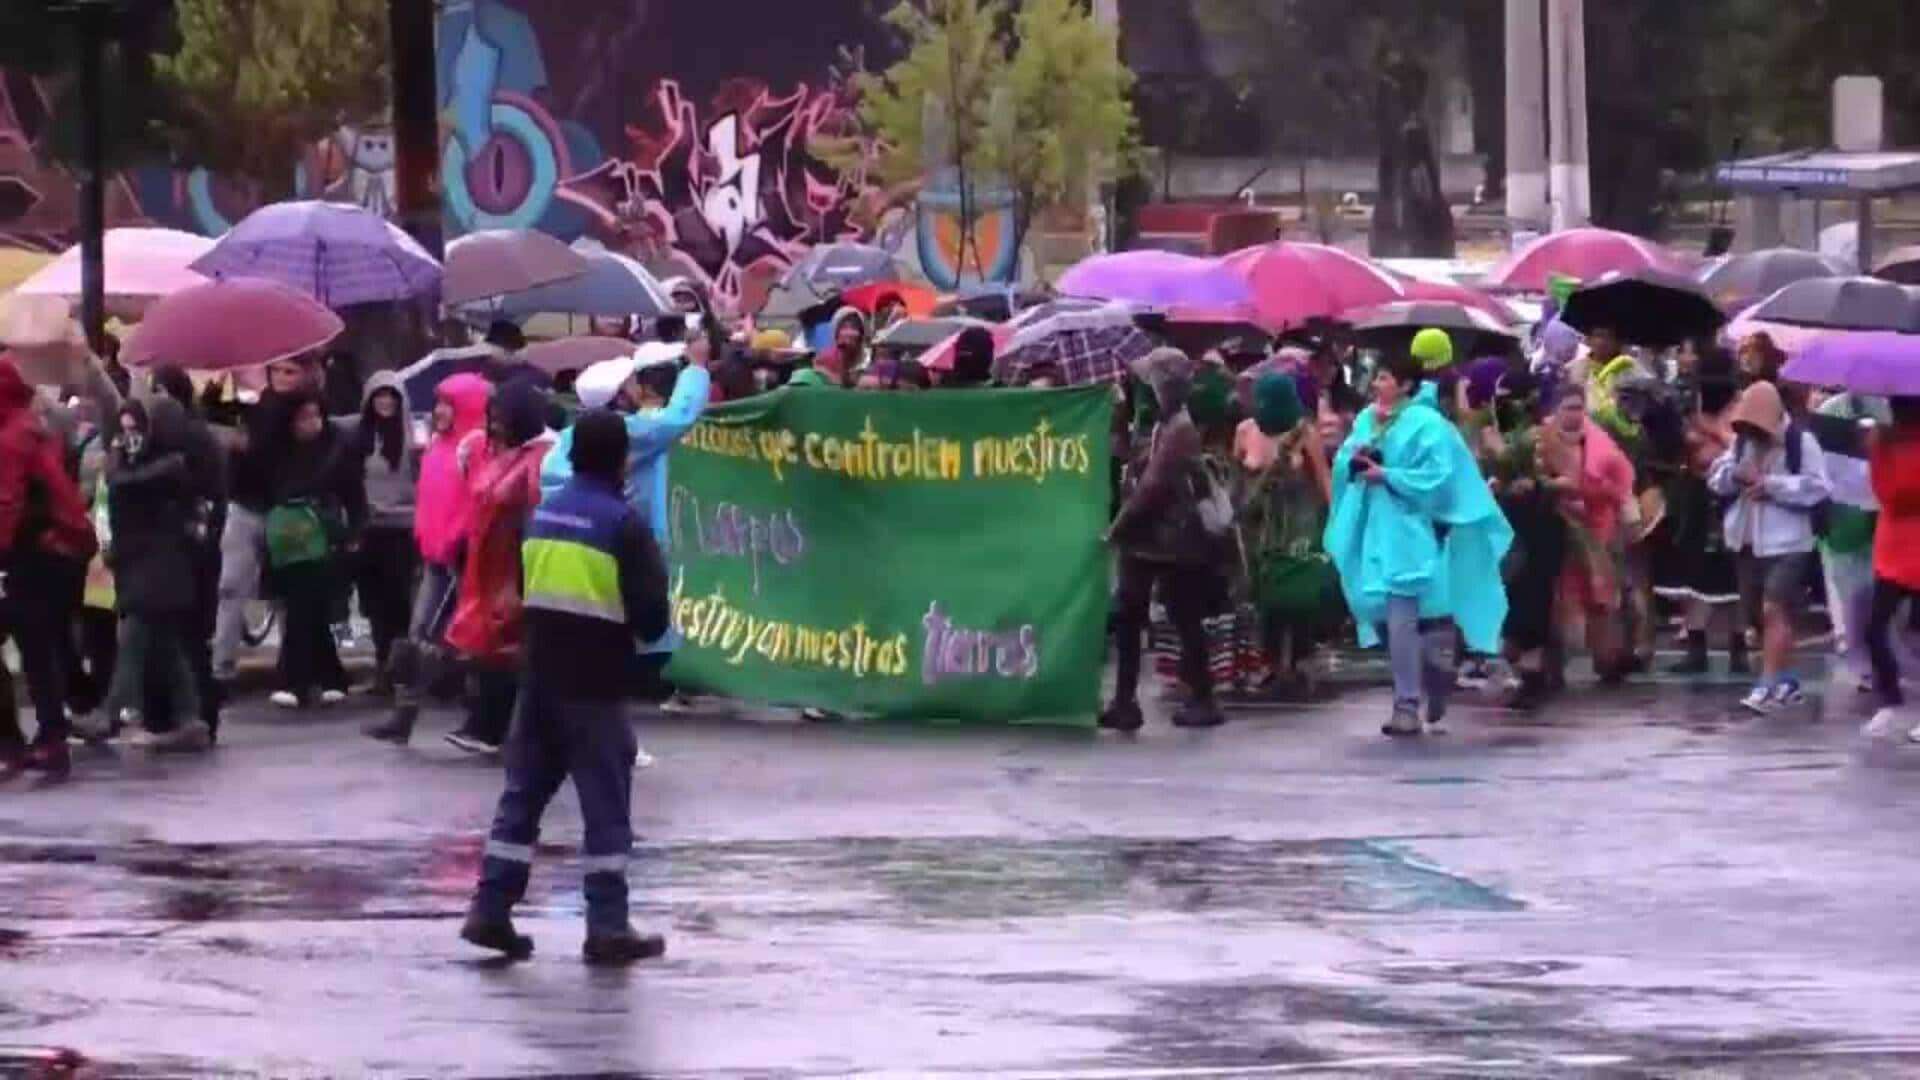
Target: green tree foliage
(1036, 99)
(1071, 110)
(258, 82)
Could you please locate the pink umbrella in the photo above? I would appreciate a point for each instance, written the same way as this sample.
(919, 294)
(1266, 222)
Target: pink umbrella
(573, 353)
(142, 265)
(1418, 289)
(1292, 283)
(231, 323)
(1791, 339)
(939, 357)
(1578, 253)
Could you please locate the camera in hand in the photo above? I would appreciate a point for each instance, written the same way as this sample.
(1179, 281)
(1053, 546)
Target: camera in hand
(1363, 459)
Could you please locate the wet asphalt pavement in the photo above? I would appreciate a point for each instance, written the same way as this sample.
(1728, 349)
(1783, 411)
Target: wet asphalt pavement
(1633, 884)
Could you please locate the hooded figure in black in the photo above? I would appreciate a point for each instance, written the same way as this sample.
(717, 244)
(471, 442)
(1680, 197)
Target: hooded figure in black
(319, 503)
(152, 512)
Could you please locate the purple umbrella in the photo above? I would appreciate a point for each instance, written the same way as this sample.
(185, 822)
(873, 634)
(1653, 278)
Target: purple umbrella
(1156, 278)
(1866, 363)
(335, 253)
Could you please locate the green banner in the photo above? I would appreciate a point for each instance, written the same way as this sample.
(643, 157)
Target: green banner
(910, 555)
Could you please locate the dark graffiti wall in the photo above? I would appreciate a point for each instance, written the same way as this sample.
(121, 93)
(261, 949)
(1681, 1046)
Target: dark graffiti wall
(687, 132)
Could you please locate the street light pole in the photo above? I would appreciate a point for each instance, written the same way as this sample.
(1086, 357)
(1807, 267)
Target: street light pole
(90, 20)
(416, 123)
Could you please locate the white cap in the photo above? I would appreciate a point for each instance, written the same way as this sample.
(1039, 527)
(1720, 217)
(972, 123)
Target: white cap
(656, 353)
(596, 386)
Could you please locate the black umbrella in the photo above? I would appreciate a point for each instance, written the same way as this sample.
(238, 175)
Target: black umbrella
(913, 335)
(1854, 303)
(1391, 327)
(1741, 279)
(1644, 307)
(1901, 265)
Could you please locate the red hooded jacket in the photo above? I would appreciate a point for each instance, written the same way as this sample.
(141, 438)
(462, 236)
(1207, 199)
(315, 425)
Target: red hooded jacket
(1895, 471)
(40, 505)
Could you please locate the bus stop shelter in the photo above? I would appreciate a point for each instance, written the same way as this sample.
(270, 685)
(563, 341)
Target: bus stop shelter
(1858, 177)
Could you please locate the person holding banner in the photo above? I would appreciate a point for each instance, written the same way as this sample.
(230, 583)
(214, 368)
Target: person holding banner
(1163, 543)
(659, 401)
(595, 583)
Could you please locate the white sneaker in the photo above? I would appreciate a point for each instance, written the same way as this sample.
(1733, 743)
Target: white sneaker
(1760, 700)
(1914, 735)
(332, 697)
(642, 759)
(286, 699)
(1882, 724)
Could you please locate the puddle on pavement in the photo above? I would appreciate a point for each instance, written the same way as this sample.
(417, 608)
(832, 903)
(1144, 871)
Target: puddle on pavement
(859, 879)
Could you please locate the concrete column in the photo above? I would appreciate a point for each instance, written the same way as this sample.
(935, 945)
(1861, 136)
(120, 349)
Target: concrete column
(1526, 115)
(1569, 183)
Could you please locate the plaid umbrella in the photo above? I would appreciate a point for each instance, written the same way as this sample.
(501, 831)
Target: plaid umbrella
(1084, 351)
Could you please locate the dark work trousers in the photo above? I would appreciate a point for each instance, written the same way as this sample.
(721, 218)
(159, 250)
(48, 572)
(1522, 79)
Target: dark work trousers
(206, 611)
(1887, 597)
(96, 639)
(309, 662)
(41, 596)
(1187, 591)
(555, 738)
(491, 694)
(383, 574)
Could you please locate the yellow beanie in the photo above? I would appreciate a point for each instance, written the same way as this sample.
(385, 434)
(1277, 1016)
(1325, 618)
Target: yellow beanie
(1433, 348)
(771, 339)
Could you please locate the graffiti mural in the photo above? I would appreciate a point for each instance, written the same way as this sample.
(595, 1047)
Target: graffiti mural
(725, 189)
(653, 126)
(740, 191)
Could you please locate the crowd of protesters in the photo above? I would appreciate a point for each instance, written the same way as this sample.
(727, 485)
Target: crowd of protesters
(1480, 517)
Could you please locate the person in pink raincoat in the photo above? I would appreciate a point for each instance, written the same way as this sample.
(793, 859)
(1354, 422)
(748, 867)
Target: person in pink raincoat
(1593, 480)
(442, 509)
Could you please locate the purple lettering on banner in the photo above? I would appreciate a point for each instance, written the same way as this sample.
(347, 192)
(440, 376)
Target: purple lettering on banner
(948, 651)
(732, 531)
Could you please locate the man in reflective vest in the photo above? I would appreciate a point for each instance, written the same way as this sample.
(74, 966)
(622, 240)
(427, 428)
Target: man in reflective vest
(594, 583)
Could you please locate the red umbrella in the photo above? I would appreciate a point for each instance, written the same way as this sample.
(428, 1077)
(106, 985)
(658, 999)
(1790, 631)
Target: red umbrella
(231, 323)
(573, 353)
(1418, 289)
(867, 299)
(1585, 254)
(1292, 283)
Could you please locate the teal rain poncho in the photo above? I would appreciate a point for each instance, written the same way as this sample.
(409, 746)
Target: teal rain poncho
(1382, 537)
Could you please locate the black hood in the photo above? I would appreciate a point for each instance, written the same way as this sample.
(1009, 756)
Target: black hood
(522, 409)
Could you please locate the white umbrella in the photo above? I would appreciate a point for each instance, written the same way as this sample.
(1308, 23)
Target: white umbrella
(141, 266)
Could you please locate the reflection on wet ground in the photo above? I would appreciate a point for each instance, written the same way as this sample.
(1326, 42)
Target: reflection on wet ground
(1659, 889)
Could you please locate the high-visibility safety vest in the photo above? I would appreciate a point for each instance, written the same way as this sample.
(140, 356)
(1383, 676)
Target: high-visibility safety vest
(567, 558)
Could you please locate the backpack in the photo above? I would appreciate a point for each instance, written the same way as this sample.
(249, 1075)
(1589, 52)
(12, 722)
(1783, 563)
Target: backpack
(1821, 513)
(1210, 499)
(297, 533)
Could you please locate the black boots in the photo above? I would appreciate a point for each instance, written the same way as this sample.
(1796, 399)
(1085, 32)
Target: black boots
(496, 933)
(1696, 659)
(622, 946)
(1122, 716)
(1737, 663)
(396, 728)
